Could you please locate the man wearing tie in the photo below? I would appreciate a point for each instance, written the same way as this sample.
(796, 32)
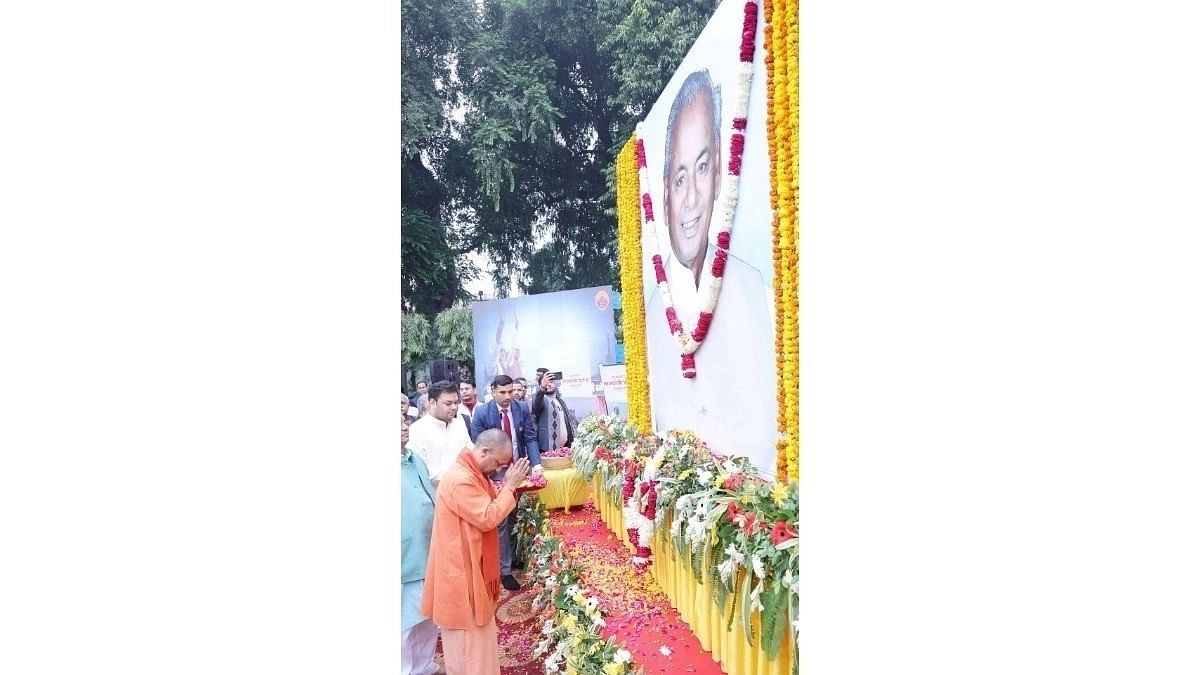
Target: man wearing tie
(515, 420)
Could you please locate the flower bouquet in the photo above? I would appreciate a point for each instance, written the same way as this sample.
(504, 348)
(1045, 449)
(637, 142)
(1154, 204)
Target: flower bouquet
(559, 458)
(533, 482)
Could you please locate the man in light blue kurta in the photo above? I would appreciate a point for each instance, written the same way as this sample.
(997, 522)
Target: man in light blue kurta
(416, 527)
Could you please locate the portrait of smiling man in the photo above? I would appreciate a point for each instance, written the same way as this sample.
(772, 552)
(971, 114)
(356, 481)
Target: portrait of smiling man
(737, 355)
(692, 169)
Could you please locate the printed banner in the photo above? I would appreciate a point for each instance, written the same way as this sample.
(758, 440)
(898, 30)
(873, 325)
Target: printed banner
(689, 138)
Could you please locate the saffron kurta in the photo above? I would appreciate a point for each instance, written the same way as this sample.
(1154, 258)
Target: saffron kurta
(455, 593)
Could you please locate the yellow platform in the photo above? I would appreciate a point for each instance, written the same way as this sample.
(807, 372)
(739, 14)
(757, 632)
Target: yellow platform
(564, 489)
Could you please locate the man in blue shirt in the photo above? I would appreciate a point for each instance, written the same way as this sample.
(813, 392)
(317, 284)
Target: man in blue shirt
(416, 495)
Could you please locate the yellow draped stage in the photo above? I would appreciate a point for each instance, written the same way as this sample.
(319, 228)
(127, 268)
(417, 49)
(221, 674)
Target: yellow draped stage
(564, 489)
(695, 604)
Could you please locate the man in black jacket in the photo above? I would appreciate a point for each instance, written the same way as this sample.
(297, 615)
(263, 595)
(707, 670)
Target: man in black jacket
(555, 421)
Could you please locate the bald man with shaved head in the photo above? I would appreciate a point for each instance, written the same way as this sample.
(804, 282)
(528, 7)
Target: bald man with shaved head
(462, 580)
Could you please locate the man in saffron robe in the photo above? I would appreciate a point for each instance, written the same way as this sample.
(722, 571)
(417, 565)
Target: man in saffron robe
(462, 580)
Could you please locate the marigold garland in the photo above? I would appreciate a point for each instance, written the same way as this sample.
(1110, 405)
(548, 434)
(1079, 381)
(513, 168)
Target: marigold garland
(633, 312)
(781, 40)
(792, 20)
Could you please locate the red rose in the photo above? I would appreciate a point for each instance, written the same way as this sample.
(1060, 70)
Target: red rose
(732, 483)
(781, 533)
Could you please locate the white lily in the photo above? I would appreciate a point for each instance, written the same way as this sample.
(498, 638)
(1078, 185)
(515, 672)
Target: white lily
(755, 596)
(760, 569)
(726, 569)
(734, 554)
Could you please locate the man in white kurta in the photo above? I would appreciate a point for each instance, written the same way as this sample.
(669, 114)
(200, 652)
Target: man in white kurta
(439, 436)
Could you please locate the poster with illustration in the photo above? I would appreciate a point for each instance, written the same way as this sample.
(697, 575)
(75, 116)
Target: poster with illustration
(572, 332)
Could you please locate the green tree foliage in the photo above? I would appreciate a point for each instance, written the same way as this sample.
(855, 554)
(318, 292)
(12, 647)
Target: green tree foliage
(514, 111)
(456, 336)
(414, 341)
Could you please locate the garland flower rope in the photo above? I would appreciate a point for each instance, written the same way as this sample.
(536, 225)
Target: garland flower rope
(771, 44)
(780, 37)
(711, 277)
(633, 313)
(790, 190)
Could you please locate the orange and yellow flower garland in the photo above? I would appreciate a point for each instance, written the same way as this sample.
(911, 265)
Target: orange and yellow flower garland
(629, 242)
(793, 86)
(782, 41)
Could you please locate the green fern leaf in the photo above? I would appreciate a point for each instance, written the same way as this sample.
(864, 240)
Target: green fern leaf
(774, 620)
(736, 595)
(747, 608)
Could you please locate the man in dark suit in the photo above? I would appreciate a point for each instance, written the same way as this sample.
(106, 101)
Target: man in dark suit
(555, 421)
(514, 419)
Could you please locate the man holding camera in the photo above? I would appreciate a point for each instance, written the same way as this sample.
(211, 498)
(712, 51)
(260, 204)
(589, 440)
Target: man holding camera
(555, 422)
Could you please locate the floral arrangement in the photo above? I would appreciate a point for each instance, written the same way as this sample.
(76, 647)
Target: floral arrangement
(572, 640)
(600, 445)
(633, 313)
(781, 38)
(558, 452)
(532, 518)
(711, 279)
(736, 530)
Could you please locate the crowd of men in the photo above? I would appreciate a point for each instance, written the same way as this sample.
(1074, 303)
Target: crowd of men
(457, 532)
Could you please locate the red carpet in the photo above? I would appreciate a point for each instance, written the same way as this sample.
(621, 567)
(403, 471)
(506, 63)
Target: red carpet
(638, 612)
